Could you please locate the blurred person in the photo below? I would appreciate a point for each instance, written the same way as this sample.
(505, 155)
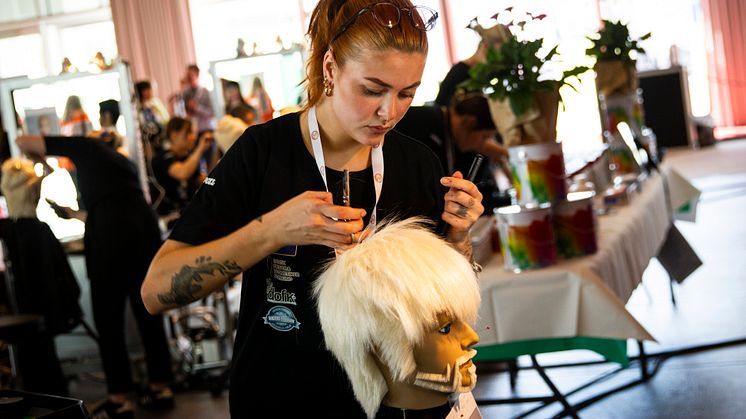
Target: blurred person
(197, 101)
(74, 119)
(261, 101)
(232, 125)
(151, 108)
(232, 95)
(42, 279)
(177, 167)
(489, 37)
(456, 134)
(121, 238)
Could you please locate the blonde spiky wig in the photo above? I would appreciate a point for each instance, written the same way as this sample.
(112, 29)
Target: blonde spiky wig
(21, 187)
(378, 299)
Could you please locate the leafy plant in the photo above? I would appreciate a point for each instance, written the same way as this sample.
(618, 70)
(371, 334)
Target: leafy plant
(512, 70)
(613, 42)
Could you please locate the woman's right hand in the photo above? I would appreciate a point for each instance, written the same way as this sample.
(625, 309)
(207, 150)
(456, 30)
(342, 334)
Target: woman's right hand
(312, 218)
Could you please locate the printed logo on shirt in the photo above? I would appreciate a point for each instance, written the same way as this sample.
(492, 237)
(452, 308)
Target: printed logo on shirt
(281, 319)
(209, 181)
(279, 270)
(283, 296)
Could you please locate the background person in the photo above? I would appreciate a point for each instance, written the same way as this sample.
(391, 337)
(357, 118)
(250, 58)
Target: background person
(456, 134)
(121, 237)
(177, 167)
(265, 209)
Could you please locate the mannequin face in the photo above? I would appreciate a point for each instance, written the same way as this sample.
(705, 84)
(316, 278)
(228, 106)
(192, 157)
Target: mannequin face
(373, 92)
(444, 356)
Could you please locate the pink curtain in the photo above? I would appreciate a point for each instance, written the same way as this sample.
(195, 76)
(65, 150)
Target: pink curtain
(155, 37)
(727, 60)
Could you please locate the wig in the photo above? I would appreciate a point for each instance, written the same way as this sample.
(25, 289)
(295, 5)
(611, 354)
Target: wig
(21, 187)
(377, 300)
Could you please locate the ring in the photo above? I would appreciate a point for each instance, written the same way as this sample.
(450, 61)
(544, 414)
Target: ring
(462, 211)
(352, 238)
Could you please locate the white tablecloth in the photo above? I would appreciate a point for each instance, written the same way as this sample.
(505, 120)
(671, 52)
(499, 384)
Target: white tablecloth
(583, 296)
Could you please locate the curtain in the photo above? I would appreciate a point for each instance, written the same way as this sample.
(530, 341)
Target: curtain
(727, 60)
(155, 37)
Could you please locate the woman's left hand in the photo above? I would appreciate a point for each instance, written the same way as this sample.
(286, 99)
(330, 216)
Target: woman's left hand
(463, 206)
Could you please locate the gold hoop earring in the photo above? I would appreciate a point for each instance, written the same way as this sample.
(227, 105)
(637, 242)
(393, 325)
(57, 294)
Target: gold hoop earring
(328, 87)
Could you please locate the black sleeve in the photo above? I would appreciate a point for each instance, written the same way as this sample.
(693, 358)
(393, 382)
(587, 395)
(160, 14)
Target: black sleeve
(82, 151)
(227, 199)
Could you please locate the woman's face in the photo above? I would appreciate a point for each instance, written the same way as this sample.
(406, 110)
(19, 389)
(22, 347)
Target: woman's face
(444, 356)
(373, 92)
(184, 140)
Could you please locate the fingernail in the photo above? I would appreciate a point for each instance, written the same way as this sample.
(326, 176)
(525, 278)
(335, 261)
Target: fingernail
(362, 213)
(445, 181)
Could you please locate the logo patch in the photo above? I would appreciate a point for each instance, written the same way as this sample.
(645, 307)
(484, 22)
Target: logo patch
(209, 181)
(281, 319)
(282, 297)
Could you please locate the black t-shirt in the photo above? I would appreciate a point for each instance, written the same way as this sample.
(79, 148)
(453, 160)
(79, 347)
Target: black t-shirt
(455, 76)
(279, 357)
(427, 124)
(176, 192)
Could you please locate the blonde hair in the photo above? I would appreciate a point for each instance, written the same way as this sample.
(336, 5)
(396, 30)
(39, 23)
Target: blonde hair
(377, 300)
(21, 187)
(364, 34)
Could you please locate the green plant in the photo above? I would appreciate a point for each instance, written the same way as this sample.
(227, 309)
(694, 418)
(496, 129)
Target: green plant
(613, 42)
(512, 71)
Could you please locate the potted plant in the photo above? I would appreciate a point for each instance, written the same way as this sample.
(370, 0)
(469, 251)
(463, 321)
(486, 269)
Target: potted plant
(615, 52)
(523, 106)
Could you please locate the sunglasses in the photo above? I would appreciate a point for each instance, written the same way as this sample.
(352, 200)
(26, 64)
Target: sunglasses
(389, 15)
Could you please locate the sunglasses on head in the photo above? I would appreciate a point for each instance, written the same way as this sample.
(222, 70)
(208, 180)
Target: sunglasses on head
(389, 15)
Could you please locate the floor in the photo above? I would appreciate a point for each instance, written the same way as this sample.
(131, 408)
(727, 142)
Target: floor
(711, 308)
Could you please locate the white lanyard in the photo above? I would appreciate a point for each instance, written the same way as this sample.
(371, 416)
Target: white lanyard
(318, 153)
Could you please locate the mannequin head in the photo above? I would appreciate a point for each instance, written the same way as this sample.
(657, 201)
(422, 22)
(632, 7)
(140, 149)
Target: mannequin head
(395, 311)
(21, 187)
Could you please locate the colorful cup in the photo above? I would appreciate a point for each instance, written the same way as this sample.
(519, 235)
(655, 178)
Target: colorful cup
(527, 236)
(575, 225)
(622, 108)
(538, 172)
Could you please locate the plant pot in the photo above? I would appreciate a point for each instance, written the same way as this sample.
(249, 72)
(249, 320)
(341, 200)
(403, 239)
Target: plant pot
(527, 236)
(537, 125)
(615, 77)
(575, 225)
(538, 172)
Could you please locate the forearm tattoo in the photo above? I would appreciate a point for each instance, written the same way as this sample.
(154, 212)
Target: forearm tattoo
(188, 280)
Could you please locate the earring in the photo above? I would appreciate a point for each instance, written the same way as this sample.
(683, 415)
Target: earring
(328, 87)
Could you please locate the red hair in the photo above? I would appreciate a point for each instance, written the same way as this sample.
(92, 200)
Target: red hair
(364, 34)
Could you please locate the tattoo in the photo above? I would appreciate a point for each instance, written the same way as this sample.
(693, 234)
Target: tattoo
(187, 281)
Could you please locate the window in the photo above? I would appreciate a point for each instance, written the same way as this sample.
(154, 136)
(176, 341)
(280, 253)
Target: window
(27, 56)
(39, 34)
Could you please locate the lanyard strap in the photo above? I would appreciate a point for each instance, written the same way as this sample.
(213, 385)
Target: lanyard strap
(318, 153)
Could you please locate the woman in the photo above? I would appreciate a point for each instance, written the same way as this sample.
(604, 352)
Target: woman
(272, 206)
(177, 167)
